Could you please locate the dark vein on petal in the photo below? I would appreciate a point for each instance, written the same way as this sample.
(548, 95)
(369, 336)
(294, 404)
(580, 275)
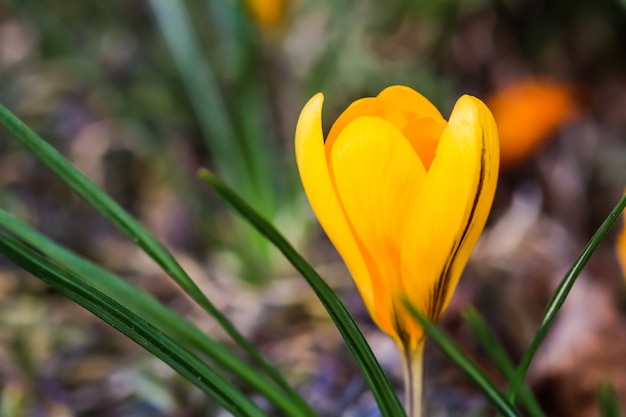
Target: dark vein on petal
(401, 331)
(400, 327)
(443, 282)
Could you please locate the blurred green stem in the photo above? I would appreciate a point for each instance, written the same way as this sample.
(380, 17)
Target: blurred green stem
(609, 403)
(500, 358)
(202, 88)
(233, 135)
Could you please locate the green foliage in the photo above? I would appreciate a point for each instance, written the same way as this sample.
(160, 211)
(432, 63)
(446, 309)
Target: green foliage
(386, 398)
(566, 284)
(204, 69)
(102, 294)
(501, 359)
(135, 231)
(137, 329)
(465, 363)
(609, 404)
(147, 308)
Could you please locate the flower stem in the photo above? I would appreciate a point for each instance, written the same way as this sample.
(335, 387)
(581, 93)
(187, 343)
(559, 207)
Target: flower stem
(413, 376)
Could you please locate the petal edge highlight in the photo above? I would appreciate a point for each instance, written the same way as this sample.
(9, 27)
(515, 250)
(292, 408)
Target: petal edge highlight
(314, 173)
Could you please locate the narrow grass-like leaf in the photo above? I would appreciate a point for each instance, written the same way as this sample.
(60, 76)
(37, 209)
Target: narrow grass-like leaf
(202, 88)
(151, 310)
(143, 333)
(562, 291)
(240, 156)
(128, 225)
(385, 397)
(499, 357)
(237, 159)
(466, 364)
(609, 404)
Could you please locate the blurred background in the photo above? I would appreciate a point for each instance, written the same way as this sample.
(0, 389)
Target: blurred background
(141, 94)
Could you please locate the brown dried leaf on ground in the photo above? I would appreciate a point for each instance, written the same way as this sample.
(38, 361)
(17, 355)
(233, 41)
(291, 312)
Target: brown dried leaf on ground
(586, 347)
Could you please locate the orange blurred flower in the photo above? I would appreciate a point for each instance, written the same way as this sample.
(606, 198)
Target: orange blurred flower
(620, 246)
(527, 112)
(269, 14)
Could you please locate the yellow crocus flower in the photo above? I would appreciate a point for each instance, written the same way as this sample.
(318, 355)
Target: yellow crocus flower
(403, 195)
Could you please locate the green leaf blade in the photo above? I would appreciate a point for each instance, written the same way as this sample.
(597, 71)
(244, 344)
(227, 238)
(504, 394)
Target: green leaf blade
(500, 358)
(135, 231)
(143, 333)
(385, 396)
(562, 291)
(145, 306)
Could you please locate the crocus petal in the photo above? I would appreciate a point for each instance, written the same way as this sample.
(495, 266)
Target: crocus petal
(424, 134)
(313, 168)
(452, 207)
(409, 101)
(377, 176)
(397, 104)
(368, 106)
